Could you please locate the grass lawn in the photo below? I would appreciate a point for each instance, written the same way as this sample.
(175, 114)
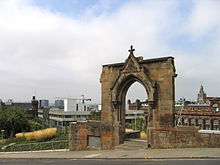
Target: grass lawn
(18, 144)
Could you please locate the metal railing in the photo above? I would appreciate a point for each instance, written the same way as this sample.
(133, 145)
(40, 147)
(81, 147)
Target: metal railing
(62, 144)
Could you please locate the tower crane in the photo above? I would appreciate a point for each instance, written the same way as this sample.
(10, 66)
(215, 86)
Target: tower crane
(83, 98)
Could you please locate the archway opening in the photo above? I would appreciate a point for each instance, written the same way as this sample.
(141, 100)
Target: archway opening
(136, 111)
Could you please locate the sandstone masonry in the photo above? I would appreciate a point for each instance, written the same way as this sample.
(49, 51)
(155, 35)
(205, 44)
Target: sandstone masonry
(157, 76)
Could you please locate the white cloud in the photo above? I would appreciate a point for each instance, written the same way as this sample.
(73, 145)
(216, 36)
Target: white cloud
(60, 56)
(204, 19)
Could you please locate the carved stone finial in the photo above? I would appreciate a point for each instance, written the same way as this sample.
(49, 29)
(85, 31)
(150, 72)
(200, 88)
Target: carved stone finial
(131, 50)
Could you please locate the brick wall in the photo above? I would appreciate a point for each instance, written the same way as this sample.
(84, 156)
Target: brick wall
(182, 137)
(80, 131)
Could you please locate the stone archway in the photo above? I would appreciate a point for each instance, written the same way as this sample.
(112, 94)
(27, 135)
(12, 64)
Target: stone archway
(157, 77)
(119, 91)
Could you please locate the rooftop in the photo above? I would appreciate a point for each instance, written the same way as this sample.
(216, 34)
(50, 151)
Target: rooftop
(141, 62)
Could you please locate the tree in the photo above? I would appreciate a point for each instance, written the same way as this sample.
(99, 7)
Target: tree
(13, 120)
(36, 124)
(136, 124)
(95, 115)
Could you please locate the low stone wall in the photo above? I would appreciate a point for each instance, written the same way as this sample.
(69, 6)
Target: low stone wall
(97, 135)
(90, 135)
(181, 137)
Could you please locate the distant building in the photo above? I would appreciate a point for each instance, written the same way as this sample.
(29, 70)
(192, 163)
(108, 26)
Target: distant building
(34, 104)
(59, 103)
(204, 113)
(94, 107)
(59, 117)
(74, 105)
(99, 107)
(138, 105)
(136, 110)
(31, 108)
(201, 98)
(72, 110)
(43, 103)
(132, 115)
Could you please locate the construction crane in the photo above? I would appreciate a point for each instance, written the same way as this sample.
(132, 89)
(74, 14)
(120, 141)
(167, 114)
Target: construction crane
(83, 98)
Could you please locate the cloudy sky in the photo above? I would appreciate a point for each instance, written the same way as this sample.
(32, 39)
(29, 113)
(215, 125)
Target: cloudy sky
(57, 48)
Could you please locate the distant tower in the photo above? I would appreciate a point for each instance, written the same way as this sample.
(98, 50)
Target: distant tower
(34, 104)
(201, 96)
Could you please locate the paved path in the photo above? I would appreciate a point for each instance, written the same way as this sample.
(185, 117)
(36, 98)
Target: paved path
(119, 154)
(129, 150)
(106, 162)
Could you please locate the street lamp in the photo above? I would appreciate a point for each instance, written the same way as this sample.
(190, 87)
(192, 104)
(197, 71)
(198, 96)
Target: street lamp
(2, 133)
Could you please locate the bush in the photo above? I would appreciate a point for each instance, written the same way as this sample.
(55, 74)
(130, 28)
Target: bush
(95, 116)
(34, 126)
(136, 125)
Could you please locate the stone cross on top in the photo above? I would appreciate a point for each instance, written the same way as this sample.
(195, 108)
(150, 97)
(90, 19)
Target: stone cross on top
(131, 50)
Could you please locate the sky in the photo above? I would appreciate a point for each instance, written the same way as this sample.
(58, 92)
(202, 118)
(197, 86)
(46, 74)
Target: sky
(54, 48)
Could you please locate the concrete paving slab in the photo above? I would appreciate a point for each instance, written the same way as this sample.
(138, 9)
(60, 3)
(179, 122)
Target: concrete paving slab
(117, 154)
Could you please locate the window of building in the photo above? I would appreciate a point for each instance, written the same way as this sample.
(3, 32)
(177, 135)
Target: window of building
(77, 107)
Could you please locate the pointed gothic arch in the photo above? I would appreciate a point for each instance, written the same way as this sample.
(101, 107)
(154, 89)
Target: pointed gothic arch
(157, 77)
(119, 92)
